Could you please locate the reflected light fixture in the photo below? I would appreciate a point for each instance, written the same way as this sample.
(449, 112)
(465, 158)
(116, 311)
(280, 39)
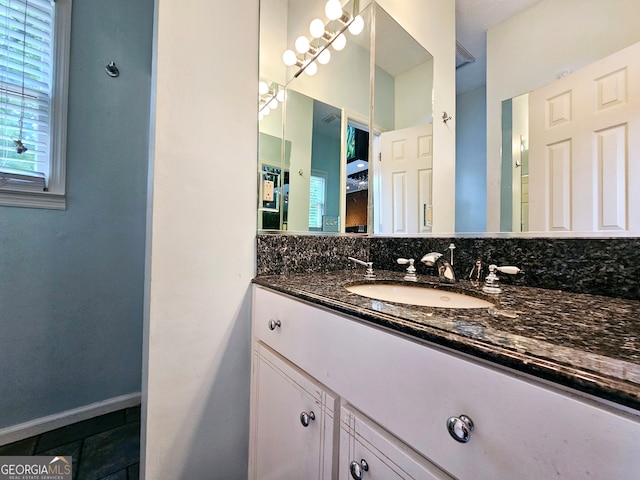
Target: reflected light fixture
(269, 98)
(333, 9)
(316, 28)
(324, 56)
(311, 68)
(324, 35)
(356, 27)
(340, 42)
(289, 58)
(302, 44)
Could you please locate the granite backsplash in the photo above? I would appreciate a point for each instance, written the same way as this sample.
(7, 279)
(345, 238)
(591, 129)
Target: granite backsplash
(602, 266)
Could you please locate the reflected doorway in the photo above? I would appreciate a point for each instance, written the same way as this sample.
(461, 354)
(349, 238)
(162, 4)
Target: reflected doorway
(357, 179)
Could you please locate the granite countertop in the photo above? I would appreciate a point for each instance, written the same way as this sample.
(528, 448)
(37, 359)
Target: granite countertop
(586, 342)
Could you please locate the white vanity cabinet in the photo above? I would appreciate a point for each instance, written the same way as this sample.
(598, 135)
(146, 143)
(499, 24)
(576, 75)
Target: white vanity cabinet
(396, 397)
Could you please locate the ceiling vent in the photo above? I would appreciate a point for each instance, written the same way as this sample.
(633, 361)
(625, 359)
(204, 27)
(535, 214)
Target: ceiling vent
(331, 118)
(463, 56)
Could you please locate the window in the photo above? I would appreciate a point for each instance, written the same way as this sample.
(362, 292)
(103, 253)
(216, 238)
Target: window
(34, 54)
(317, 195)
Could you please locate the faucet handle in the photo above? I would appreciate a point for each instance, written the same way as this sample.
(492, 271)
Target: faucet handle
(508, 269)
(491, 283)
(411, 269)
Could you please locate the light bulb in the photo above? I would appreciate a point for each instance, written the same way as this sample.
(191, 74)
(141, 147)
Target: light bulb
(324, 57)
(260, 116)
(340, 42)
(263, 88)
(273, 103)
(266, 110)
(280, 95)
(356, 27)
(311, 69)
(289, 58)
(302, 44)
(316, 28)
(333, 9)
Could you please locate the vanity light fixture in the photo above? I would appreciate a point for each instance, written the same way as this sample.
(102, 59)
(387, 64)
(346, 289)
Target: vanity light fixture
(324, 35)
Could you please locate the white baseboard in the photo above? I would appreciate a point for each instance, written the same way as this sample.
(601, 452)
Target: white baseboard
(62, 419)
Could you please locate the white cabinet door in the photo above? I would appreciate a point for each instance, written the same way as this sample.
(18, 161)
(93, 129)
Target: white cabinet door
(584, 157)
(406, 174)
(283, 401)
(368, 452)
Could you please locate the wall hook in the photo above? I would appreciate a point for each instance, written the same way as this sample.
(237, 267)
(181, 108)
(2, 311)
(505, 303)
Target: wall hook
(112, 70)
(445, 117)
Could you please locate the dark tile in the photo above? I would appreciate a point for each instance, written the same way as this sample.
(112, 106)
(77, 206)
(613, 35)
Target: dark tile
(110, 452)
(21, 447)
(132, 414)
(71, 433)
(133, 472)
(73, 449)
(121, 475)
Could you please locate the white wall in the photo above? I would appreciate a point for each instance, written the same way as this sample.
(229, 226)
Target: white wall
(532, 48)
(201, 255)
(414, 96)
(432, 24)
(299, 131)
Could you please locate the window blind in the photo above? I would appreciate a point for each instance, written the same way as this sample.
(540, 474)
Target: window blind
(26, 72)
(317, 193)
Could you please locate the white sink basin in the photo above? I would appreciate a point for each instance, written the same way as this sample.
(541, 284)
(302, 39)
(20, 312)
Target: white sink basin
(415, 295)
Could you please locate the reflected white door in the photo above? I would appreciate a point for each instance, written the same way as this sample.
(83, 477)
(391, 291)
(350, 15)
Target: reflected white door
(406, 171)
(584, 158)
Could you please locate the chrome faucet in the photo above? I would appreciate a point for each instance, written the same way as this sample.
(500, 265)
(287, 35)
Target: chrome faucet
(369, 275)
(445, 270)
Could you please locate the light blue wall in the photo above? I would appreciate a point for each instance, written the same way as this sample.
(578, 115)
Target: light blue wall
(471, 161)
(71, 282)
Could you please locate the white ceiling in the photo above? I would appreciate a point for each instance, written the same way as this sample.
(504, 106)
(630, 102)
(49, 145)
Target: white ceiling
(473, 19)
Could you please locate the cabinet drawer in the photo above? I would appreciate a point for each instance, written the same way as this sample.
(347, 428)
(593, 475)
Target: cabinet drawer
(523, 429)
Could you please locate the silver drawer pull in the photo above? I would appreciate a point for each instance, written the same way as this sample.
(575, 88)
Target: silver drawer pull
(273, 324)
(305, 418)
(460, 428)
(357, 469)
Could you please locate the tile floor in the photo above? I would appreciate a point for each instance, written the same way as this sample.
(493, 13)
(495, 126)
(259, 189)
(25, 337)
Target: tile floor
(103, 448)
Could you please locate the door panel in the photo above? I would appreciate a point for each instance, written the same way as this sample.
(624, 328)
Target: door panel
(406, 166)
(584, 158)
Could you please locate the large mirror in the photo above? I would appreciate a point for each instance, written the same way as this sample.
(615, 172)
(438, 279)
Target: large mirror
(562, 119)
(317, 136)
(498, 183)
